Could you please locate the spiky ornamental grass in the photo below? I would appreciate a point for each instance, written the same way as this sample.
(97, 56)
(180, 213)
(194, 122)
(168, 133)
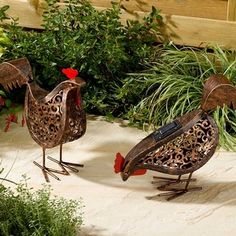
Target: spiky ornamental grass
(27, 213)
(172, 86)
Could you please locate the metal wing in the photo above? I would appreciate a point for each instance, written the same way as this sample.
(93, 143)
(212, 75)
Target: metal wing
(15, 73)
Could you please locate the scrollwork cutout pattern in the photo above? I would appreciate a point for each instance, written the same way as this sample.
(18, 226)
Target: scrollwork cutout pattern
(45, 119)
(59, 120)
(185, 151)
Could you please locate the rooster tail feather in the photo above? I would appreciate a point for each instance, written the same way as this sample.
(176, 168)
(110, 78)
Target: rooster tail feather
(218, 91)
(15, 73)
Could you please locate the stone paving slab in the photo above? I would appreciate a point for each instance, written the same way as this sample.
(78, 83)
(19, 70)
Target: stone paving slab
(117, 208)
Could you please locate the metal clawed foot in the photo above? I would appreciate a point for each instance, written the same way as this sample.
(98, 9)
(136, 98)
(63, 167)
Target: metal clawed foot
(165, 182)
(47, 171)
(67, 165)
(173, 193)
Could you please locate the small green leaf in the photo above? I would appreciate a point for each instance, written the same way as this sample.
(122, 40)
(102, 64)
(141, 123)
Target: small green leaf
(8, 103)
(2, 93)
(5, 8)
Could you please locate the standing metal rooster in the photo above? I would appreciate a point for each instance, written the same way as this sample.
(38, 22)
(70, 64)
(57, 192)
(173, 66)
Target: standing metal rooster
(182, 146)
(53, 118)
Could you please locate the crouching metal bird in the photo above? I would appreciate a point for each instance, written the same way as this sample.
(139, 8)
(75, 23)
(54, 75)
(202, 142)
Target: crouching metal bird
(182, 146)
(53, 118)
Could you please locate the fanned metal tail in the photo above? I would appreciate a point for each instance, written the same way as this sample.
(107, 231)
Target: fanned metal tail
(15, 73)
(218, 91)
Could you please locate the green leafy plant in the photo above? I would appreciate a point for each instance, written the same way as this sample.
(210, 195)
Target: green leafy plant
(94, 42)
(8, 109)
(28, 213)
(172, 86)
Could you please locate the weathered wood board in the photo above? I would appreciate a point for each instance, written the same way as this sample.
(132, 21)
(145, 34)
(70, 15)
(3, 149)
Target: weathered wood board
(215, 23)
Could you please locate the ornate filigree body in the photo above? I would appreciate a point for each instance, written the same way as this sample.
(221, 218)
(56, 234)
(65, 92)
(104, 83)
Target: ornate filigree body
(187, 152)
(183, 151)
(54, 118)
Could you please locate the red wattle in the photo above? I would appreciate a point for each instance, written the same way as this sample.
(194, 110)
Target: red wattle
(140, 172)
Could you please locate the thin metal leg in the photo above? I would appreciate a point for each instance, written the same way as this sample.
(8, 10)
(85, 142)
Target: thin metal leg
(46, 171)
(44, 150)
(60, 152)
(44, 167)
(187, 183)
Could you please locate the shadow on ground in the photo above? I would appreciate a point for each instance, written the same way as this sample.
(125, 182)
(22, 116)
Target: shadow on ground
(212, 193)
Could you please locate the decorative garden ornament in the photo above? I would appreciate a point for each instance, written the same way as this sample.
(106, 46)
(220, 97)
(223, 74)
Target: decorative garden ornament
(53, 118)
(182, 146)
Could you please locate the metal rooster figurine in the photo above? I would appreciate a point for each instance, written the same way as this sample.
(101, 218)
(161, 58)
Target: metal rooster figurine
(53, 118)
(182, 146)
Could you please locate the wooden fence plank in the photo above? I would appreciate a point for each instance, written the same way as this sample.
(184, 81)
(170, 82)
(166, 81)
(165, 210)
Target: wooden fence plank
(201, 32)
(231, 10)
(212, 9)
(195, 31)
(26, 12)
